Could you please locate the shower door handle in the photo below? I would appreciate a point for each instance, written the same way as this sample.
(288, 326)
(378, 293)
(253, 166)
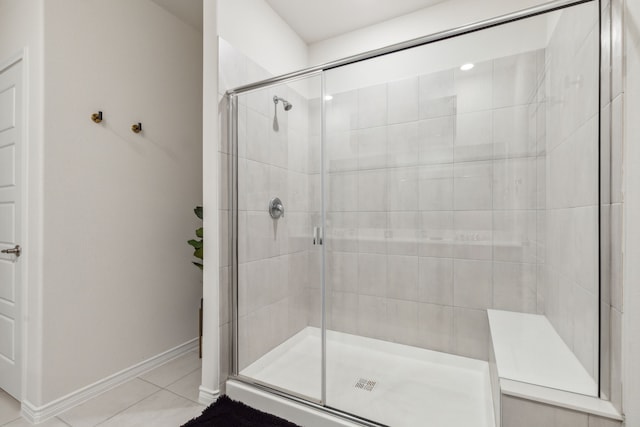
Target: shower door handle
(317, 235)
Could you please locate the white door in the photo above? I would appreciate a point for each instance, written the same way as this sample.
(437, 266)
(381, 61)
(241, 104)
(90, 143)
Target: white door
(11, 187)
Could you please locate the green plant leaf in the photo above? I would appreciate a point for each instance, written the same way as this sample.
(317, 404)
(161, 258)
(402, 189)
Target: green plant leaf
(197, 244)
(199, 253)
(198, 211)
(200, 232)
(198, 264)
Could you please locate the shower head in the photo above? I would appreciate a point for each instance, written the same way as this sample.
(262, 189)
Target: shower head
(286, 104)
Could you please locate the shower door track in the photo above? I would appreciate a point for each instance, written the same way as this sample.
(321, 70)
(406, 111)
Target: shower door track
(232, 138)
(305, 400)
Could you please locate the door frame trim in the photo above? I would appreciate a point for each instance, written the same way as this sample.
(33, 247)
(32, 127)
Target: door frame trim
(21, 294)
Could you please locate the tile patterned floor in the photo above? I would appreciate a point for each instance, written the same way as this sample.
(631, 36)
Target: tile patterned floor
(164, 397)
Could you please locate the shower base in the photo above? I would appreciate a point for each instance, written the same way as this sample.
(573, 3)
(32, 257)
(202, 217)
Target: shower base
(388, 383)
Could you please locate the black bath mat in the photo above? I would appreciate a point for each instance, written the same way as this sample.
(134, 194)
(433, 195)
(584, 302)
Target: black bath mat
(225, 412)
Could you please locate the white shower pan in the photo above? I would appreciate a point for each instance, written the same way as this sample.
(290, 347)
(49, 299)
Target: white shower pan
(392, 384)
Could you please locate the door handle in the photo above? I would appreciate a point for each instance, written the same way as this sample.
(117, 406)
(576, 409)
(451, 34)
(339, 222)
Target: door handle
(317, 235)
(16, 251)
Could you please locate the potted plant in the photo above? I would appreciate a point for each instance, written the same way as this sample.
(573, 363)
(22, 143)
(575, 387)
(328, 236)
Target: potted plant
(198, 253)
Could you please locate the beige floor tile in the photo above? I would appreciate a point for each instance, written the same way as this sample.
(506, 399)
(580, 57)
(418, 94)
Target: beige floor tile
(188, 386)
(53, 422)
(9, 408)
(108, 404)
(162, 409)
(172, 371)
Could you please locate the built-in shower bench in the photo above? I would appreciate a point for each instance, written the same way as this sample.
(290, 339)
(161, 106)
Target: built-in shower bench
(536, 377)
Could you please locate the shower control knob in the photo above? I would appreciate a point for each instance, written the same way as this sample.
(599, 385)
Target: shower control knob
(276, 209)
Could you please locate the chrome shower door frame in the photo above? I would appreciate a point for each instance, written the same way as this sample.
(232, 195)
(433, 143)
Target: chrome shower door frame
(232, 135)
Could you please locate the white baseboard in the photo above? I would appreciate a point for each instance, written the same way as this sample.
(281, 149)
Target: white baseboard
(207, 396)
(37, 414)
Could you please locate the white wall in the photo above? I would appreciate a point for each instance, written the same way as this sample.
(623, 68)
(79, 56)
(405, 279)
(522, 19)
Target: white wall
(441, 16)
(21, 27)
(119, 286)
(631, 315)
(252, 27)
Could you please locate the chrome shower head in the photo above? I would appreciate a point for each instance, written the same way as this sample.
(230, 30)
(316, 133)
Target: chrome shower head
(286, 104)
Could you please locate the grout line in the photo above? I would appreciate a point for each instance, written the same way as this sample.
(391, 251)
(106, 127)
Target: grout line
(129, 407)
(185, 397)
(182, 377)
(63, 421)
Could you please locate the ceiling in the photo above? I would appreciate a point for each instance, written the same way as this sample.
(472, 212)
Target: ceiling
(190, 11)
(316, 20)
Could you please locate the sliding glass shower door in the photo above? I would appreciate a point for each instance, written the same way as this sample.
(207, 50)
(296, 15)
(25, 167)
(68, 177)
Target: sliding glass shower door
(279, 231)
(460, 175)
(384, 209)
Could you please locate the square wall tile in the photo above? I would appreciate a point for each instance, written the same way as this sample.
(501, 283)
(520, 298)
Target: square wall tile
(341, 231)
(403, 189)
(403, 144)
(473, 183)
(341, 152)
(402, 321)
(435, 187)
(437, 236)
(436, 138)
(402, 233)
(372, 148)
(402, 277)
(435, 327)
(514, 80)
(515, 131)
(524, 413)
(258, 130)
(371, 316)
(342, 271)
(341, 112)
(514, 183)
(514, 287)
(473, 235)
(403, 100)
(471, 333)
(474, 136)
(343, 312)
(372, 232)
(372, 106)
(474, 88)
(435, 284)
(472, 284)
(515, 236)
(372, 274)
(372, 191)
(342, 190)
(437, 95)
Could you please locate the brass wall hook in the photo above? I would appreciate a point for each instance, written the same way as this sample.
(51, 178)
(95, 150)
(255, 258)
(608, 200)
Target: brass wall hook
(97, 117)
(136, 128)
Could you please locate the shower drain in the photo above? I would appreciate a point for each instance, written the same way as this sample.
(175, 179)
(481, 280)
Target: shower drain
(365, 384)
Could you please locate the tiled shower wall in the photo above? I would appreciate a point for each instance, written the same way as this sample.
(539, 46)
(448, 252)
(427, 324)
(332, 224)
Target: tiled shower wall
(569, 268)
(273, 255)
(432, 203)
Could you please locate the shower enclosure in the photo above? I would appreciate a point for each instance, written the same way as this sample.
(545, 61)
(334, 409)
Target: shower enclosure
(382, 204)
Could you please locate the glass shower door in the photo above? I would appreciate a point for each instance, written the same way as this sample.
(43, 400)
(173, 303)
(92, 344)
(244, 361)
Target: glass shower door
(278, 219)
(462, 179)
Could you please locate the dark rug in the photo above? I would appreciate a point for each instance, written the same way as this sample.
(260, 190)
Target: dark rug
(225, 412)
